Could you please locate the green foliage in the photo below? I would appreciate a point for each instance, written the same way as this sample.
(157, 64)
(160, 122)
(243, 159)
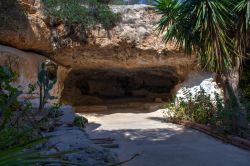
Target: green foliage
(242, 17)
(45, 85)
(11, 15)
(206, 27)
(32, 88)
(131, 2)
(54, 111)
(8, 105)
(26, 155)
(86, 13)
(245, 87)
(201, 109)
(215, 30)
(8, 94)
(21, 156)
(17, 134)
(80, 121)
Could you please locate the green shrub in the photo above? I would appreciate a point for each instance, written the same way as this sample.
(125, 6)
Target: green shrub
(80, 121)
(201, 109)
(54, 111)
(19, 136)
(12, 136)
(85, 13)
(8, 94)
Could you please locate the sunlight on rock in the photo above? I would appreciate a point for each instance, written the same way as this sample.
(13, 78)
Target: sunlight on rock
(196, 82)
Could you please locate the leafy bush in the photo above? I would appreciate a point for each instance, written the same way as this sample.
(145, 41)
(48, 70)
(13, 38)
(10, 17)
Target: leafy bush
(15, 127)
(23, 155)
(86, 13)
(54, 111)
(8, 94)
(201, 109)
(19, 133)
(16, 132)
(131, 2)
(12, 136)
(80, 121)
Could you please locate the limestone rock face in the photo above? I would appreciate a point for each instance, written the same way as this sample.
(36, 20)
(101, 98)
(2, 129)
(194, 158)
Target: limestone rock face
(130, 52)
(23, 27)
(25, 64)
(133, 43)
(196, 82)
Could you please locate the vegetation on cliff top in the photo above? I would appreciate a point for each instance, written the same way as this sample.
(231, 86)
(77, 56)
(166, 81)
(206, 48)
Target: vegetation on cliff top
(11, 15)
(86, 13)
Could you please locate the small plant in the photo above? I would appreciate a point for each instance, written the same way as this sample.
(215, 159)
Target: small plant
(8, 94)
(80, 121)
(32, 88)
(54, 111)
(45, 85)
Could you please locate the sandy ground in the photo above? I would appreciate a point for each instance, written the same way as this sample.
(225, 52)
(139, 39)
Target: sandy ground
(162, 144)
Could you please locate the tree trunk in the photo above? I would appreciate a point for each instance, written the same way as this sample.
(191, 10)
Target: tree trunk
(230, 82)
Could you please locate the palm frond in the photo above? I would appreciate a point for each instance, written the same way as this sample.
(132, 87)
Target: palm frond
(25, 155)
(202, 27)
(242, 29)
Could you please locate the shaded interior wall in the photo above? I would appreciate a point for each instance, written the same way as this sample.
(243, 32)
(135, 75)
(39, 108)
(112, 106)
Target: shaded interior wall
(86, 87)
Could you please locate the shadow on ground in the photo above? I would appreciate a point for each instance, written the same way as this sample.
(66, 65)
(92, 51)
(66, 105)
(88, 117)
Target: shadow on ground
(168, 145)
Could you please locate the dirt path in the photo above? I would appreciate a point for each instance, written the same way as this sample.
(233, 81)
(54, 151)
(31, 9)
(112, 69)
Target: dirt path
(162, 144)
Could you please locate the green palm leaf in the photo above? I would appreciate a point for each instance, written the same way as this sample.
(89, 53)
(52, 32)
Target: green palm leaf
(201, 27)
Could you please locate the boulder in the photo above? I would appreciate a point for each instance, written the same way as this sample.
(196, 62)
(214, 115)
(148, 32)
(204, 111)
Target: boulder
(196, 82)
(73, 138)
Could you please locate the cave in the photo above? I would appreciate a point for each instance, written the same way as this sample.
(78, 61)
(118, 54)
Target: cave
(114, 86)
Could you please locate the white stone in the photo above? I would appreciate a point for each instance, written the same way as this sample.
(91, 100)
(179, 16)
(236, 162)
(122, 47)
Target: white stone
(197, 81)
(68, 116)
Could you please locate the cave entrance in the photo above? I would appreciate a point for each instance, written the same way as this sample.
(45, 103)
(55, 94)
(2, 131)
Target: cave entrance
(114, 86)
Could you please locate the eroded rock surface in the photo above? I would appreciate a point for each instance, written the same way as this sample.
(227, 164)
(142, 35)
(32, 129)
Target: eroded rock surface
(132, 43)
(130, 52)
(71, 138)
(25, 64)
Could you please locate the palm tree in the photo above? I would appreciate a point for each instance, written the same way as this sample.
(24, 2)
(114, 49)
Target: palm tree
(242, 11)
(208, 29)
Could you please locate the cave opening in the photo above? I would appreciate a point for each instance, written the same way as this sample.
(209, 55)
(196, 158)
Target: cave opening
(114, 86)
